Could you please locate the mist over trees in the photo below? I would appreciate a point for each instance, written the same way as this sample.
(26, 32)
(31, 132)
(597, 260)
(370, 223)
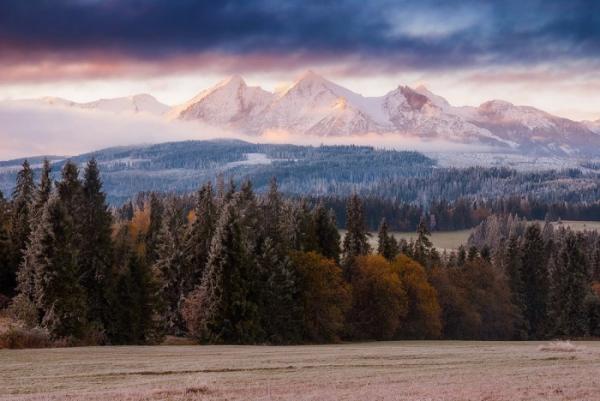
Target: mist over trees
(228, 265)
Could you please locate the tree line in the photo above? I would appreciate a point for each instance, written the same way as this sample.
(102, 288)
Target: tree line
(237, 267)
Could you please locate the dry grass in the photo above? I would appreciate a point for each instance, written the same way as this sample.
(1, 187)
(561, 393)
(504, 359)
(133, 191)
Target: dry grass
(560, 346)
(402, 371)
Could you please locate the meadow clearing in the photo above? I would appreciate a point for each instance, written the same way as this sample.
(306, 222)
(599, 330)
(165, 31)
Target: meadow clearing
(453, 239)
(411, 371)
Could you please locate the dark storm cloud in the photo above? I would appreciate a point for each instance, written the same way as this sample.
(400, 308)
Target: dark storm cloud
(390, 34)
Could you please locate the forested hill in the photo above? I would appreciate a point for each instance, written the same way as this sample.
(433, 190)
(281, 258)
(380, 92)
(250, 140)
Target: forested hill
(323, 171)
(183, 166)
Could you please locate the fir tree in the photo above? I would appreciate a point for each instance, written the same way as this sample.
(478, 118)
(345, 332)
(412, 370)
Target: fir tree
(58, 293)
(387, 246)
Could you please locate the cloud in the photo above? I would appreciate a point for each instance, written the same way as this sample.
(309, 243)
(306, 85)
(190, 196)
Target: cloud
(41, 39)
(29, 129)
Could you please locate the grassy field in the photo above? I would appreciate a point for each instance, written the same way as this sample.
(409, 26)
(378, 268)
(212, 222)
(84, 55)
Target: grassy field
(432, 371)
(453, 239)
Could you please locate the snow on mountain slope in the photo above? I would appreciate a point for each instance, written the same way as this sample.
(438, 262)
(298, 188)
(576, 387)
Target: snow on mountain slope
(229, 103)
(593, 126)
(142, 103)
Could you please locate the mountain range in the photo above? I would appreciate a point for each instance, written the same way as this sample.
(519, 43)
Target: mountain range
(315, 106)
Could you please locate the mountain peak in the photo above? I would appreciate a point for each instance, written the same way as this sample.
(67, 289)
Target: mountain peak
(234, 80)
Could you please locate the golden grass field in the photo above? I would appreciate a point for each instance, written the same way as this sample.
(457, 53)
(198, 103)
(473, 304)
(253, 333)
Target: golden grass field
(424, 371)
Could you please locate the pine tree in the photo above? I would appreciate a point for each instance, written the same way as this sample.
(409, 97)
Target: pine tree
(22, 212)
(387, 245)
(172, 269)
(569, 288)
(535, 280)
(58, 293)
(356, 240)
(95, 248)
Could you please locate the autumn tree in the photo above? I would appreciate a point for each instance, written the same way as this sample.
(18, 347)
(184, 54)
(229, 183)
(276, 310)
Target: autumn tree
(423, 317)
(379, 301)
(324, 295)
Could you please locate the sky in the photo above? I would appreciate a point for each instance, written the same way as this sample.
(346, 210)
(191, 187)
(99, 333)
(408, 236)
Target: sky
(540, 53)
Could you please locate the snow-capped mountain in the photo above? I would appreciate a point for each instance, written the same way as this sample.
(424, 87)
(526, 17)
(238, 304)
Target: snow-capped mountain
(313, 105)
(141, 103)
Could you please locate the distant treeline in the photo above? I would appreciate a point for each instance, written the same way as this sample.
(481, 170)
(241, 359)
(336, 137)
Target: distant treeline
(460, 214)
(242, 268)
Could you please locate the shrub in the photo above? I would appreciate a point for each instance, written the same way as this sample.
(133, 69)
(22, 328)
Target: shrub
(18, 337)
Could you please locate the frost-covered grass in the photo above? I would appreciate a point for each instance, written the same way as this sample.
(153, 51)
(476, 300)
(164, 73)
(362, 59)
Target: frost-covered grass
(560, 346)
(411, 371)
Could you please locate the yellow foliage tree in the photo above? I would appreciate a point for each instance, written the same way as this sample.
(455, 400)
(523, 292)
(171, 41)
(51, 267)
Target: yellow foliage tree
(423, 319)
(379, 301)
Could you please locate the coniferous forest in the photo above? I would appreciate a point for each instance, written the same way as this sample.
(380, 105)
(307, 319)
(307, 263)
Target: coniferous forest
(227, 265)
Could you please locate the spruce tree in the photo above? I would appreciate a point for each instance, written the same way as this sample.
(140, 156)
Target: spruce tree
(5, 248)
(172, 268)
(327, 234)
(20, 228)
(535, 280)
(136, 305)
(70, 191)
(221, 308)
(199, 235)
(154, 229)
(513, 270)
(356, 240)
(387, 246)
(569, 288)
(422, 246)
(95, 248)
(58, 293)
(25, 276)
(44, 190)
